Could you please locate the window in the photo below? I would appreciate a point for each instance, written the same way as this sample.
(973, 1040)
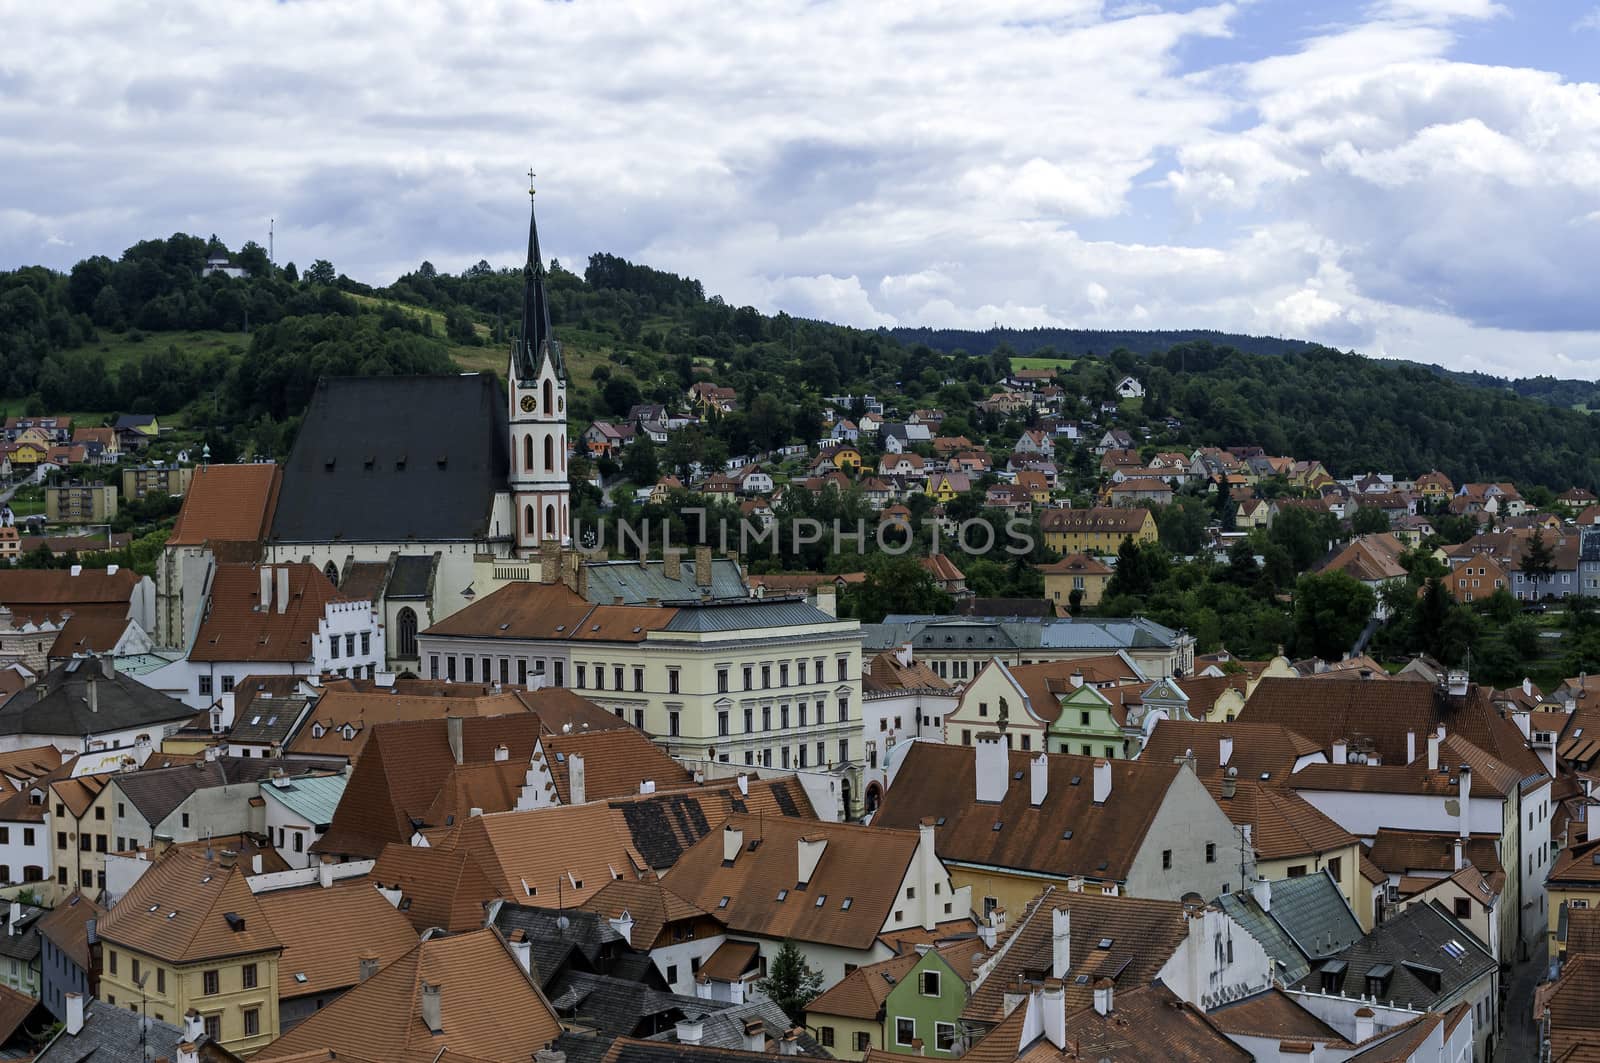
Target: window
(582, 674)
(766, 676)
(783, 717)
(333, 647)
(136, 969)
(672, 974)
(801, 668)
(113, 958)
(599, 677)
(748, 671)
(673, 719)
(366, 644)
(844, 709)
(844, 750)
(783, 675)
(905, 1031)
(722, 680)
(1335, 865)
(616, 677)
(299, 841)
(827, 1036)
(944, 1036)
(1083, 719)
(1166, 859)
(766, 717)
(930, 983)
(161, 979)
(672, 681)
(1297, 871)
(863, 1040)
(213, 1025)
(638, 679)
(210, 983)
(466, 668)
(1211, 852)
(433, 666)
(186, 821)
(252, 1021)
(205, 685)
(1463, 908)
(722, 723)
(983, 708)
(844, 668)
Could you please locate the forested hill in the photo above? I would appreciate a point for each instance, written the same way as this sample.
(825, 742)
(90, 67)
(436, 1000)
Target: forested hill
(1076, 343)
(238, 357)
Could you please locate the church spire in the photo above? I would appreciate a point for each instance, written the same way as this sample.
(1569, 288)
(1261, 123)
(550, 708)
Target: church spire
(537, 342)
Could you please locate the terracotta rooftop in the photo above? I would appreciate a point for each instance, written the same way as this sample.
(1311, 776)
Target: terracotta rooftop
(1281, 822)
(860, 995)
(648, 901)
(551, 611)
(886, 673)
(187, 909)
(326, 931)
(1257, 750)
(489, 1009)
(67, 926)
(237, 627)
(227, 503)
(38, 594)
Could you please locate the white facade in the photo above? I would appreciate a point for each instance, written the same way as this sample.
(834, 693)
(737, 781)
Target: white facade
(539, 489)
(25, 849)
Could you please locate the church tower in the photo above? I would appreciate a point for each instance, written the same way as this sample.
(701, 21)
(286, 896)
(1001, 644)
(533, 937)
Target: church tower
(537, 386)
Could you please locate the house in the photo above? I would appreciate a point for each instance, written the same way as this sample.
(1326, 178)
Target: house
(946, 576)
(1420, 958)
(1100, 530)
(973, 463)
(753, 480)
(1032, 702)
(1007, 824)
(1434, 486)
(899, 438)
(191, 936)
(86, 706)
(909, 466)
(1077, 580)
(98, 1029)
(189, 802)
(844, 430)
(1114, 439)
(142, 481)
(67, 957)
(1129, 388)
(835, 889)
(944, 446)
(1301, 921)
(1035, 441)
(466, 997)
(1141, 490)
(915, 998)
(606, 438)
(137, 430)
(80, 503)
(1006, 402)
(46, 429)
(707, 396)
(1476, 579)
(947, 486)
(843, 456)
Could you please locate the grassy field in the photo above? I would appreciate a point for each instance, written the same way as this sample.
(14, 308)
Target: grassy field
(117, 350)
(1042, 363)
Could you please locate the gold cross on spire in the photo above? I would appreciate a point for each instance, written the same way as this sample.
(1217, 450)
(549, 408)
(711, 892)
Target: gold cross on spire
(530, 180)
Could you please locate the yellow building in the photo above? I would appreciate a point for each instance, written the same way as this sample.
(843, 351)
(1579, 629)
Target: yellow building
(847, 459)
(156, 479)
(27, 455)
(1076, 572)
(1574, 882)
(80, 826)
(190, 937)
(80, 503)
(944, 487)
(1100, 530)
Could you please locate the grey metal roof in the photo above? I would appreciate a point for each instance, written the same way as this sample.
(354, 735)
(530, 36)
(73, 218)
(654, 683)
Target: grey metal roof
(412, 576)
(1259, 925)
(748, 615)
(22, 941)
(1016, 632)
(1311, 910)
(395, 458)
(313, 797)
(59, 704)
(111, 1035)
(1425, 935)
(637, 582)
(724, 1028)
(156, 794)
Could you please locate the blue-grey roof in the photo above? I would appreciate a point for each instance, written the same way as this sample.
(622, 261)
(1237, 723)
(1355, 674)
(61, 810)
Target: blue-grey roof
(112, 1034)
(1307, 919)
(637, 582)
(1001, 633)
(412, 576)
(748, 615)
(313, 797)
(1293, 964)
(1413, 947)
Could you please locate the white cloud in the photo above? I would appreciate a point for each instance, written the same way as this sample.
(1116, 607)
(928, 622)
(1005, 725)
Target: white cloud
(1590, 21)
(1032, 162)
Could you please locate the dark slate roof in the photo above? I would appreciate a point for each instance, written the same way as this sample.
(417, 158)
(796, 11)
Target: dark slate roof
(21, 942)
(264, 721)
(586, 934)
(724, 1028)
(1423, 934)
(396, 458)
(111, 1035)
(994, 634)
(412, 576)
(135, 420)
(59, 704)
(618, 1007)
(748, 615)
(639, 582)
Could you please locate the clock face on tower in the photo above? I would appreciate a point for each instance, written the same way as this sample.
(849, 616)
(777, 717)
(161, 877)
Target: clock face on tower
(527, 404)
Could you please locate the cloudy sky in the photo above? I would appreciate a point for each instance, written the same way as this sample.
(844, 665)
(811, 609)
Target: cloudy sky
(1413, 178)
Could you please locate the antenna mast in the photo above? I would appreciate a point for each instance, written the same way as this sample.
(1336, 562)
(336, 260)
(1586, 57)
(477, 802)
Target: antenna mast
(272, 224)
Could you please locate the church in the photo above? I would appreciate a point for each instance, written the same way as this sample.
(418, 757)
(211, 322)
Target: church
(395, 485)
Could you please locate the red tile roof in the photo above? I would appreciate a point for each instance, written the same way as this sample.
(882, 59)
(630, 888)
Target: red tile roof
(236, 628)
(227, 503)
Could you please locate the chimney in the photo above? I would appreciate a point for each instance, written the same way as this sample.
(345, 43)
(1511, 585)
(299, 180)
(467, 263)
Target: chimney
(1104, 993)
(1527, 687)
(1102, 781)
(227, 858)
(13, 918)
(577, 780)
(74, 1014)
(255, 864)
(1411, 746)
(744, 785)
(1466, 801)
(790, 1045)
(732, 842)
(1224, 750)
(431, 1016)
(811, 850)
(1038, 779)
(1230, 783)
(452, 730)
(194, 1027)
(521, 950)
(623, 924)
(325, 871)
(1366, 1025)
(265, 603)
(188, 1053)
(92, 693)
(367, 966)
(1053, 1004)
(1460, 859)
(690, 1028)
(501, 752)
(755, 1035)
(1341, 752)
(549, 1055)
(828, 598)
(672, 563)
(1261, 889)
(991, 767)
(1060, 942)
(702, 566)
(1433, 752)
(283, 589)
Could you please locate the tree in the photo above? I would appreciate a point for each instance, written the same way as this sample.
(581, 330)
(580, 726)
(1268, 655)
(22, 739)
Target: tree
(321, 272)
(640, 463)
(789, 983)
(1538, 560)
(1329, 612)
(1369, 520)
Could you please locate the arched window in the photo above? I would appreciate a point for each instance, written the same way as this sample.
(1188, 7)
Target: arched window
(331, 570)
(527, 521)
(550, 521)
(407, 623)
(563, 453)
(549, 453)
(527, 452)
(549, 393)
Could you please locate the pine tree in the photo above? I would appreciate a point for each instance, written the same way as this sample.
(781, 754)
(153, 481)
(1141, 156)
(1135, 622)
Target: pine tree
(790, 983)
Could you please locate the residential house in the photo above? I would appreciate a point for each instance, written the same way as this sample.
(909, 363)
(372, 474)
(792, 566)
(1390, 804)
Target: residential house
(141, 481)
(85, 706)
(606, 438)
(909, 466)
(1095, 531)
(1141, 491)
(21, 949)
(896, 1005)
(1434, 486)
(1009, 824)
(80, 503)
(67, 958)
(298, 810)
(837, 890)
(899, 438)
(1478, 578)
(97, 1029)
(54, 429)
(189, 802)
(1035, 441)
(1300, 921)
(192, 936)
(1028, 703)
(1129, 388)
(947, 486)
(704, 395)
